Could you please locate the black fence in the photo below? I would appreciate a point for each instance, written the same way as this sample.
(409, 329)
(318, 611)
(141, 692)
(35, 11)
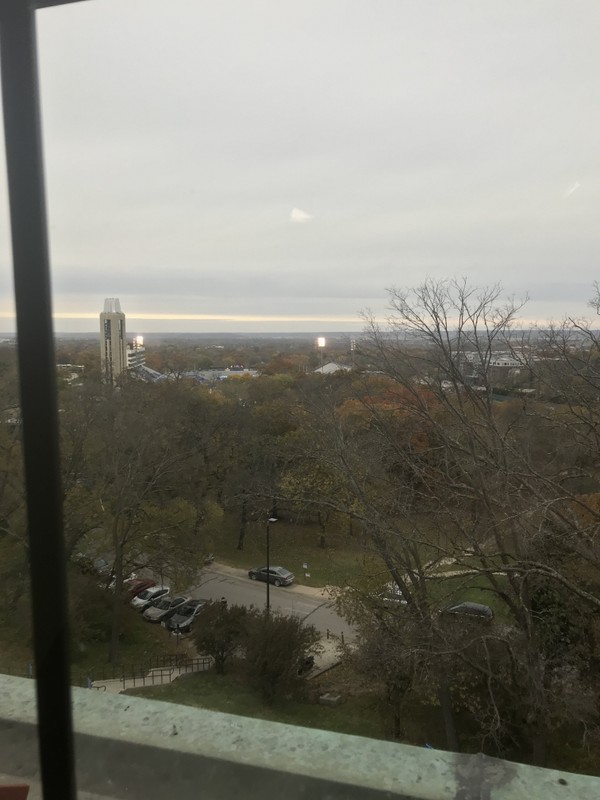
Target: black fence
(154, 671)
(161, 670)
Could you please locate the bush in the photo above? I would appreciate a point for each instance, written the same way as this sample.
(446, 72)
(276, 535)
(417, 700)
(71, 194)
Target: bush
(219, 631)
(90, 613)
(276, 646)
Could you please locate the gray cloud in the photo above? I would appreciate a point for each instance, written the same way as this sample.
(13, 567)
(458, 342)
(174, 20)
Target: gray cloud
(423, 139)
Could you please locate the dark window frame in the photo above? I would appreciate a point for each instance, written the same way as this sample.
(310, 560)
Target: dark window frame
(37, 380)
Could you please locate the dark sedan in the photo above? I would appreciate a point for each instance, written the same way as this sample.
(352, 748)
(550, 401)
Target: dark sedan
(184, 616)
(278, 576)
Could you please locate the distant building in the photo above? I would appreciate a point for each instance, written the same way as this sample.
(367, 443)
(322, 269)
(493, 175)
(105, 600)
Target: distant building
(136, 353)
(71, 373)
(500, 366)
(331, 368)
(145, 373)
(113, 340)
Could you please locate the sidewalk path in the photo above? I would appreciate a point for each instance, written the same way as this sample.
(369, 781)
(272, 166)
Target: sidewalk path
(328, 658)
(321, 592)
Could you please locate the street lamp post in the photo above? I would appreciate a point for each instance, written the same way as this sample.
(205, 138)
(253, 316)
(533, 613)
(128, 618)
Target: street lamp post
(269, 521)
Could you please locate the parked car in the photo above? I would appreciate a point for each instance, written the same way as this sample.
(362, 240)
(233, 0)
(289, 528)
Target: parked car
(181, 621)
(132, 587)
(278, 576)
(143, 599)
(469, 609)
(102, 567)
(92, 566)
(126, 581)
(163, 608)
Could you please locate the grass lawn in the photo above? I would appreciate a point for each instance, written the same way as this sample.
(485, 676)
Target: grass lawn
(292, 546)
(344, 560)
(475, 588)
(140, 641)
(15, 651)
(358, 715)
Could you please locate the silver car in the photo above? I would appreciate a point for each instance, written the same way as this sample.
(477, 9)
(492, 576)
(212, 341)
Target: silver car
(143, 599)
(163, 608)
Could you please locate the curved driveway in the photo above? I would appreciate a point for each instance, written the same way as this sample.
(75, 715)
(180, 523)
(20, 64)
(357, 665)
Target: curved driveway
(313, 605)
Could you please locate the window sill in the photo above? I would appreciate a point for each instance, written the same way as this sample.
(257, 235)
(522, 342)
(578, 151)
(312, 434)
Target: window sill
(130, 747)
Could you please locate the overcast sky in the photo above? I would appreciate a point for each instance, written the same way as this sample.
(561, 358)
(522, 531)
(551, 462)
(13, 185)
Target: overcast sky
(269, 165)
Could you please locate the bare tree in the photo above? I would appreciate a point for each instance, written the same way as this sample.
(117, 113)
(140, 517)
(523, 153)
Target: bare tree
(447, 482)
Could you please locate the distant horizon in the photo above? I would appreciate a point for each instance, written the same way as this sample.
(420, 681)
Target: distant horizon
(143, 324)
(314, 333)
(204, 334)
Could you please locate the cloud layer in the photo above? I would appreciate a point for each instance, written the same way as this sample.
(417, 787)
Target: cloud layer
(175, 154)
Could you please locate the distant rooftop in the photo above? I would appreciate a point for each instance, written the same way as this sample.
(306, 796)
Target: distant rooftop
(331, 367)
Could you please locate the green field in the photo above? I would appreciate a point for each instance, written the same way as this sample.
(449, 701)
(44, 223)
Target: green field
(139, 643)
(358, 715)
(292, 546)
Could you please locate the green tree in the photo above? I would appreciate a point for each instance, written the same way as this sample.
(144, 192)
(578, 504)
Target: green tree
(275, 647)
(134, 467)
(259, 435)
(220, 630)
(14, 545)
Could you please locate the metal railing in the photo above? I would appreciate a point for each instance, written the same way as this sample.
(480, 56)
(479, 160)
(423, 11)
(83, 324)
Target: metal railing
(132, 676)
(157, 670)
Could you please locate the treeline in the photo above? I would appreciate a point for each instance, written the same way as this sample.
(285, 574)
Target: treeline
(270, 356)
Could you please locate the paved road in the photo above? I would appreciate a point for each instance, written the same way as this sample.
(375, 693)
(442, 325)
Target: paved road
(313, 605)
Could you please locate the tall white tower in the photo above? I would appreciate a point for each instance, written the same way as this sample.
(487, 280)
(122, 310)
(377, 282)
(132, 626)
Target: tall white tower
(113, 340)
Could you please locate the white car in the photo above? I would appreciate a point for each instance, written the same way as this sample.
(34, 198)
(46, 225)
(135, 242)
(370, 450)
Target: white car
(143, 599)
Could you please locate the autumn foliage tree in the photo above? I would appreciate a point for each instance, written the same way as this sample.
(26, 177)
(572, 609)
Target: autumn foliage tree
(441, 476)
